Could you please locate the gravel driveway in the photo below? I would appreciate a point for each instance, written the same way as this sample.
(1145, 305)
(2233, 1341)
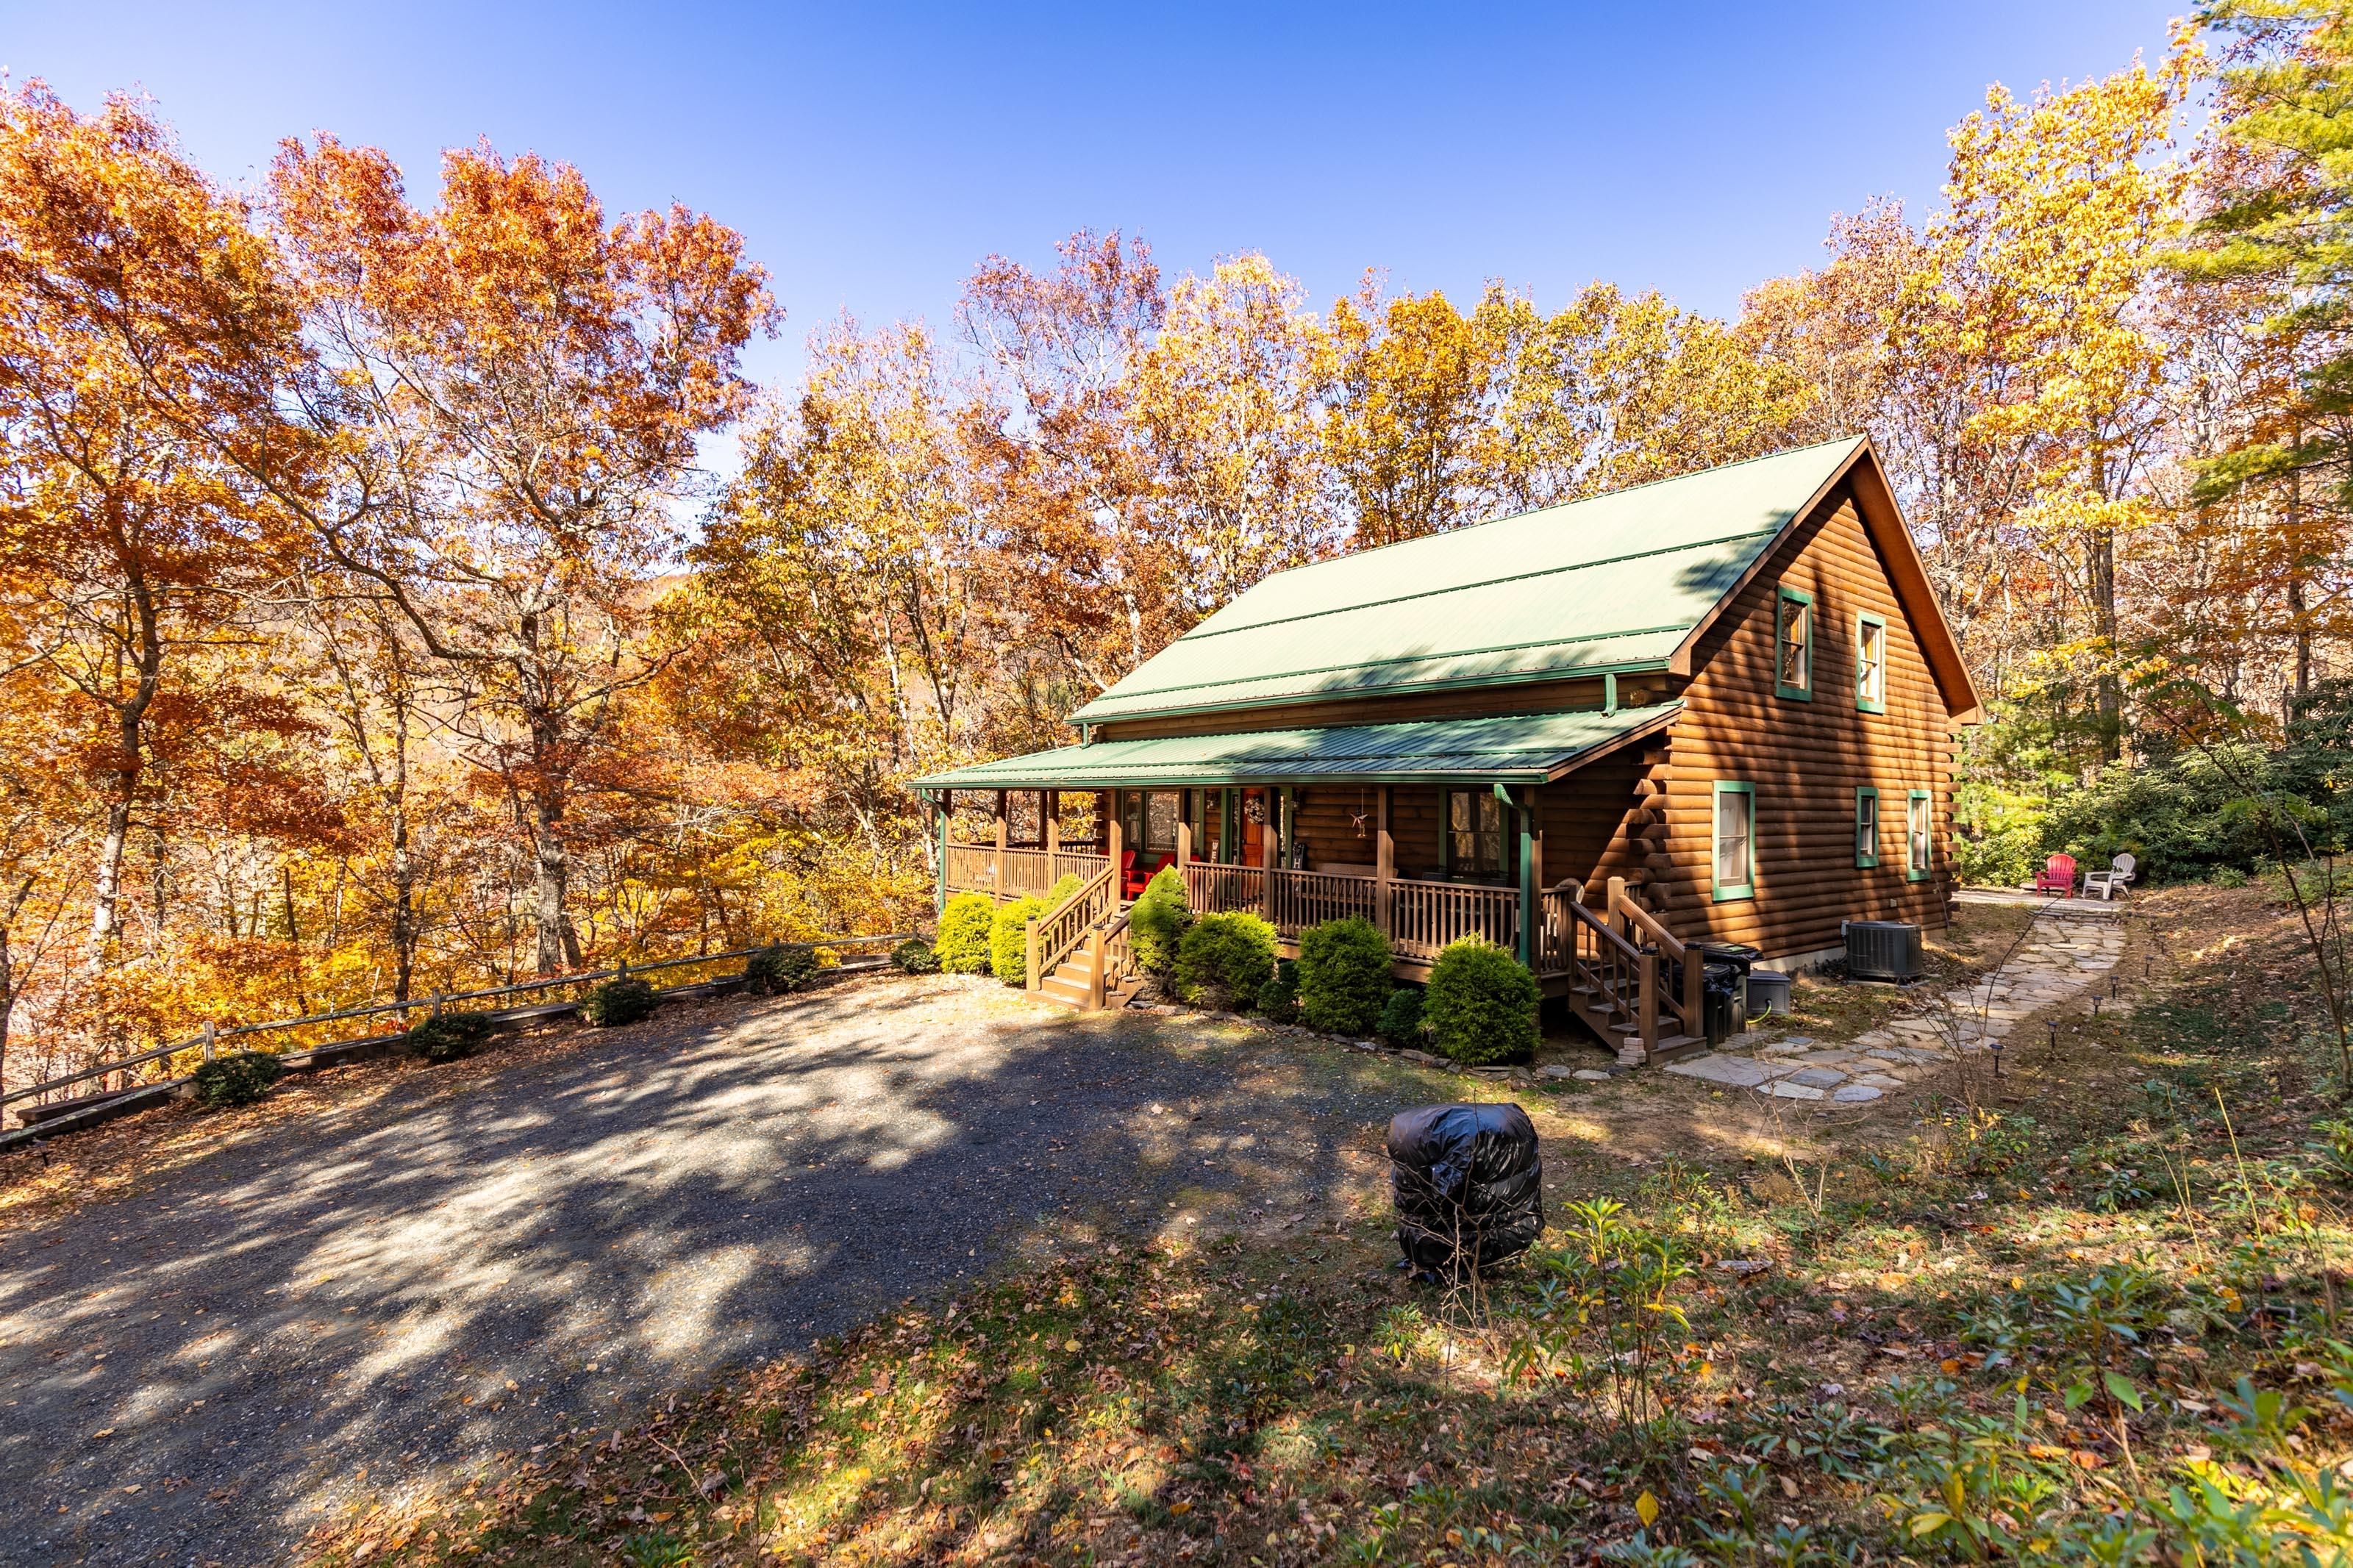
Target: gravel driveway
(340, 1303)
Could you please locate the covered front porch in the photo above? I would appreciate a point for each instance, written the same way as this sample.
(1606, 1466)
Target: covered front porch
(1432, 831)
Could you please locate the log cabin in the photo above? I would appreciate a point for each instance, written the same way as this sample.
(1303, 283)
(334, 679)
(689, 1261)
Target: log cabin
(1713, 708)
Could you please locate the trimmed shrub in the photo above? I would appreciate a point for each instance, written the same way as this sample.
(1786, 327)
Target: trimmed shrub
(1224, 961)
(1157, 921)
(1400, 1023)
(1481, 1006)
(914, 956)
(780, 970)
(451, 1035)
(1008, 939)
(238, 1080)
(1066, 887)
(963, 944)
(1343, 975)
(618, 1002)
(1279, 997)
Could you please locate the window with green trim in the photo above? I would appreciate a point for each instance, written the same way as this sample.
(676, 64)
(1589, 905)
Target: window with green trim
(1793, 644)
(1866, 826)
(1474, 835)
(1871, 663)
(1919, 834)
(1734, 840)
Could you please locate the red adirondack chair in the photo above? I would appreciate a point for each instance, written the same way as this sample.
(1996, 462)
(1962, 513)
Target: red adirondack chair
(2057, 876)
(1132, 881)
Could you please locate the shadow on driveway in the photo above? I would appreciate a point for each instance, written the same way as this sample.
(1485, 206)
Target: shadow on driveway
(345, 1302)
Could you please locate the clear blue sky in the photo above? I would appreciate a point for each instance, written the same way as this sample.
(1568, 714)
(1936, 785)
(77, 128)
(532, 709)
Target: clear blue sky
(872, 154)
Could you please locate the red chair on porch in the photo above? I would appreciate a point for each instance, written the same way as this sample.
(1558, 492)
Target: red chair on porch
(1132, 881)
(2057, 876)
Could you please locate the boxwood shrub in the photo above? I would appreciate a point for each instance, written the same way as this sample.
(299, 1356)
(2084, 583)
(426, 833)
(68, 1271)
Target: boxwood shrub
(618, 1002)
(1157, 921)
(238, 1080)
(1343, 975)
(914, 956)
(451, 1035)
(1224, 961)
(780, 970)
(1279, 997)
(1400, 1023)
(963, 944)
(1008, 939)
(1481, 1003)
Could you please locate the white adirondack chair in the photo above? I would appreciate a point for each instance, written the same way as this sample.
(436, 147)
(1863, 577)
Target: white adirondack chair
(2108, 883)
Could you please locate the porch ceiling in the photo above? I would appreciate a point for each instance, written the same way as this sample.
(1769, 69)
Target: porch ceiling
(1521, 749)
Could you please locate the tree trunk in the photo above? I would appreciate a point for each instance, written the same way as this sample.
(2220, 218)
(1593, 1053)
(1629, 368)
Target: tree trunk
(553, 869)
(106, 895)
(2103, 573)
(404, 906)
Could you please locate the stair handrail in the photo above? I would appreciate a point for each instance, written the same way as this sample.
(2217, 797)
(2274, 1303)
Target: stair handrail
(1688, 1006)
(1052, 937)
(1108, 954)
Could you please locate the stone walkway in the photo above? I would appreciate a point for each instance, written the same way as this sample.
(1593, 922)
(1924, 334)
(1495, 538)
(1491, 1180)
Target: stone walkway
(2066, 952)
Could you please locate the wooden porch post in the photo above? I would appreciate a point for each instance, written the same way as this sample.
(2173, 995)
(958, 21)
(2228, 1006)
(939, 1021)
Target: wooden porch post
(1049, 807)
(1108, 807)
(1616, 901)
(1184, 829)
(997, 880)
(1527, 921)
(942, 810)
(1266, 831)
(1383, 866)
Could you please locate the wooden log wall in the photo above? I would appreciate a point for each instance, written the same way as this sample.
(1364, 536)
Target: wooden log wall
(1805, 759)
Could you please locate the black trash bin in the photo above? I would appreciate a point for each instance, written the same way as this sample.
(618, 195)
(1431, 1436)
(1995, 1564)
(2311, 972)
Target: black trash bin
(1724, 979)
(1468, 1184)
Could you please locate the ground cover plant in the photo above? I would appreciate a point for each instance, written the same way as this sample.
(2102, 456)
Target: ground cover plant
(2091, 1311)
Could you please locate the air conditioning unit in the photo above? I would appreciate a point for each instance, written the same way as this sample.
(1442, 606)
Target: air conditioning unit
(1882, 950)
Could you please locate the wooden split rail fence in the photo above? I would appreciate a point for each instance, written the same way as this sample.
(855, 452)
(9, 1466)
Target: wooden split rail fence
(207, 1041)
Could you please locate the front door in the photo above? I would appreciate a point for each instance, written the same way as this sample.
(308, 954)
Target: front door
(1253, 827)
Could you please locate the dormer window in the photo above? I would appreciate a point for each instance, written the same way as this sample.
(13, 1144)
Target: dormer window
(1793, 642)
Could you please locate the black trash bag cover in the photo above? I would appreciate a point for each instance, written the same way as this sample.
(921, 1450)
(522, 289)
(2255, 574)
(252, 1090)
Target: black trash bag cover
(1468, 1184)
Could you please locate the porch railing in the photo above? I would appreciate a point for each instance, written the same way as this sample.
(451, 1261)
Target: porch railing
(1011, 873)
(1305, 898)
(1425, 916)
(1214, 889)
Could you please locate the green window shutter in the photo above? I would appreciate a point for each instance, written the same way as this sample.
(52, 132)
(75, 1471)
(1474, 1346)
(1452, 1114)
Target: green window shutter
(1793, 644)
(1866, 826)
(1871, 663)
(1733, 841)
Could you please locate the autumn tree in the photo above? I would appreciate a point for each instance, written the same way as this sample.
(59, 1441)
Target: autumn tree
(511, 394)
(1058, 450)
(1228, 397)
(144, 334)
(2038, 299)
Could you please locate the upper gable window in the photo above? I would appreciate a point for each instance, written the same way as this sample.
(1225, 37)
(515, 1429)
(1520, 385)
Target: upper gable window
(1871, 663)
(1793, 643)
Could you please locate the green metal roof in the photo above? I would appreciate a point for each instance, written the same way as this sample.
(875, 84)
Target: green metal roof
(1613, 583)
(1528, 748)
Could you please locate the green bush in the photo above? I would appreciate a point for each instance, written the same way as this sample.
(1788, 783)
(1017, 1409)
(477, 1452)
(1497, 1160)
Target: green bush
(780, 970)
(1481, 1003)
(1279, 997)
(1400, 1023)
(238, 1080)
(914, 956)
(1157, 921)
(963, 944)
(1008, 939)
(1343, 975)
(451, 1035)
(1066, 887)
(618, 1002)
(1224, 961)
